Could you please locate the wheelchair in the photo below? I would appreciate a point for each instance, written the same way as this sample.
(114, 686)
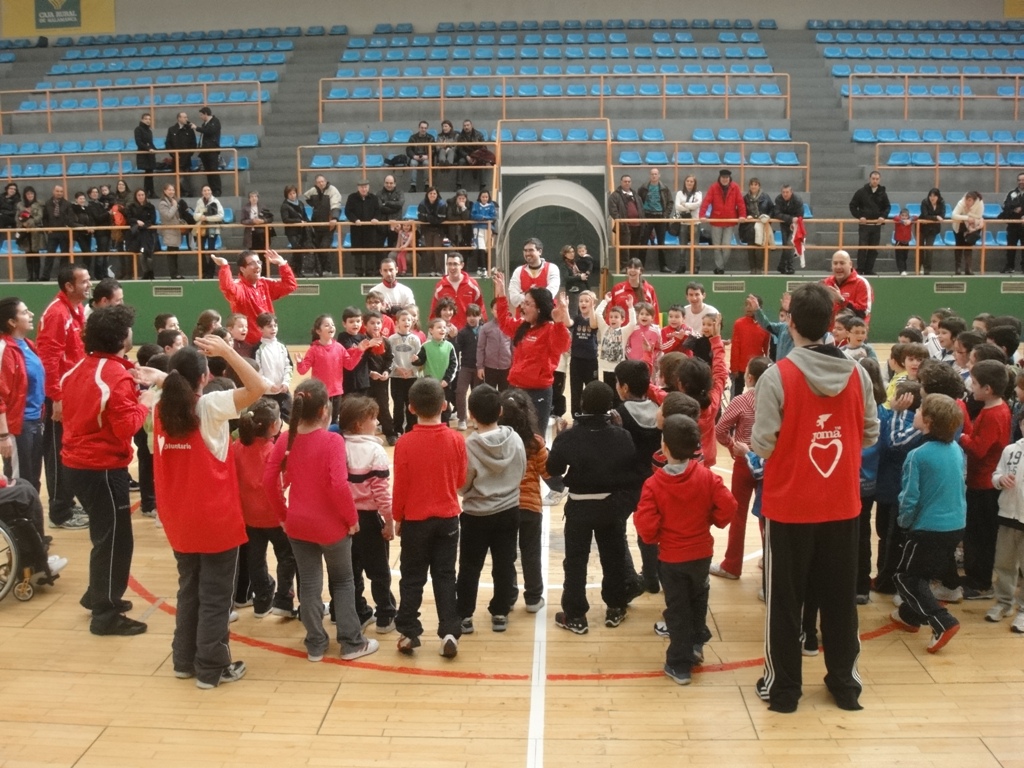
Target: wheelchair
(24, 564)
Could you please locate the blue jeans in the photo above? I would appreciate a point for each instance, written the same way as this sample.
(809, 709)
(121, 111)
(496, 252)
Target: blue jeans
(26, 461)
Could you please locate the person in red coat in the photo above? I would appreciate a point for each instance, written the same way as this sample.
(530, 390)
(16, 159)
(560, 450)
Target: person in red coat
(197, 493)
(849, 291)
(461, 288)
(539, 339)
(749, 340)
(21, 394)
(102, 413)
(634, 284)
(252, 295)
(678, 505)
(723, 204)
(59, 342)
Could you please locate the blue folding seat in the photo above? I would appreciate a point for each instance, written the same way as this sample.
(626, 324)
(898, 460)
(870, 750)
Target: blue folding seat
(33, 169)
(529, 70)
(922, 159)
(552, 90)
(683, 158)
(629, 158)
(627, 134)
(696, 89)
(703, 134)
(527, 90)
(526, 134)
(655, 157)
(669, 69)
(770, 89)
(990, 159)
(956, 136)
(600, 90)
(674, 89)
(347, 161)
(49, 148)
(625, 89)
(708, 158)
(551, 134)
(732, 158)
(864, 136)
(728, 134)
(687, 52)
(970, 158)
(977, 137)
(528, 53)
(577, 134)
(760, 158)
(833, 52)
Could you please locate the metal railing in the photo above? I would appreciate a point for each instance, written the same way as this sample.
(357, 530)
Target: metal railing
(961, 81)
(10, 101)
(333, 233)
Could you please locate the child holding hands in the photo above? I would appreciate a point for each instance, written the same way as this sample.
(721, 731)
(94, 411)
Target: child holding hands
(327, 359)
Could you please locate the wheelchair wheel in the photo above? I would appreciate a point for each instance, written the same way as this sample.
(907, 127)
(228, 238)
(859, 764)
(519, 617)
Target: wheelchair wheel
(10, 561)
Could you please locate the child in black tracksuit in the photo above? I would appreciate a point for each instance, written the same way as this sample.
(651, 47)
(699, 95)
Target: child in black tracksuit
(379, 361)
(356, 381)
(465, 348)
(640, 418)
(598, 461)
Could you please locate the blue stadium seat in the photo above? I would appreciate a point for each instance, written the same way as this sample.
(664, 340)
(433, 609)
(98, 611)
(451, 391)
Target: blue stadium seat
(786, 158)
(703, 134)
(629, 158)
(899, 159)
(922, 159)
(708, 158)
(683, 158)
(864, 136)
(760, 158)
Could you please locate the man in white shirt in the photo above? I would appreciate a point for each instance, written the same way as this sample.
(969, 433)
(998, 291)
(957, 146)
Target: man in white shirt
(694, 313)
(536, 272)
(396, 296)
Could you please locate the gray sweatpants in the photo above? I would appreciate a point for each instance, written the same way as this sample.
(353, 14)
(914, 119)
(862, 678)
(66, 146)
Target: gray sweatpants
(310, 559)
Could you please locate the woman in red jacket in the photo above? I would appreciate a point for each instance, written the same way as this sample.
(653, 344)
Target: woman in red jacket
(21, 394)
(539, 339)
(102, 413)
(204, 528)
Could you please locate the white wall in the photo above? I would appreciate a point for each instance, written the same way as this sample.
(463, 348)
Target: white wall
(361, 16)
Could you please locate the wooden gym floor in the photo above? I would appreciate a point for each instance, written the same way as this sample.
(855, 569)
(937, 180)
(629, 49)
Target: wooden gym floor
(532, 696)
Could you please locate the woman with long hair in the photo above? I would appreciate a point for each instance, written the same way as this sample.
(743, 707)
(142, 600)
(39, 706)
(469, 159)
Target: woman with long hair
(197, 489)
(141, 215)
(30, 216)
(933, 213)
(539, 338)
(432, 213)
(686, 208)
(968, 228)
(21, 394)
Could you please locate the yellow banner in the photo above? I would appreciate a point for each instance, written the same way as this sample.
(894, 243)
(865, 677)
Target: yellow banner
(1013, 9)
(28, 18)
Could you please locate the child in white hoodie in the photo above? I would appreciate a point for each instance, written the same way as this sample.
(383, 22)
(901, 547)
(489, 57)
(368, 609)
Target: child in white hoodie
(1009, 476)
(490, 510)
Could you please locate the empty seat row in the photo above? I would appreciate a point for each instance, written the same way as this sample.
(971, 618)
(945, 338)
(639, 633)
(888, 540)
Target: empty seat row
(573, 134)
(732, 159)
(951, 159)
(171, 62)
(21, 42)
(99, 168)
(533, 70)
(748, 134)
(426, 41)
(487, 53)
(554, 90)
(141, 38)
(914, 90)
(170, 99)
(845, 70)
(575, 24)
(94, 146)
(919, 38)
(185, 49)
(934, 25)
(920, 52)
(890, 135)
(267, 76)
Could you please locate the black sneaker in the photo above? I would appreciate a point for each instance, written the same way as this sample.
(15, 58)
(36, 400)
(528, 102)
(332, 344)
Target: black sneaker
(133, 484)
(698, 653)
(467, 626)
(614, 616)
(577, 626)
(121, 625)
(499, 623)
(809, 644)
(121, 606)
(634, 588)
(407, 645)
(678, 676)
(761, 689)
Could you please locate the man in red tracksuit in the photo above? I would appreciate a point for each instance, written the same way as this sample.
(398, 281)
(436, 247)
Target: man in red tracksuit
(102, 414)
(814, 413)
(749, 340)
(723, 204)
(60, 348)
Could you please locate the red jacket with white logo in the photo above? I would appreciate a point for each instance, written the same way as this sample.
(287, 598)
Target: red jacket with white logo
(60, 342)
(102, 413)
(535, 357)
(676, 512)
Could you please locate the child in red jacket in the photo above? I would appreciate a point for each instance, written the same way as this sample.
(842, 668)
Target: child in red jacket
(678, 506)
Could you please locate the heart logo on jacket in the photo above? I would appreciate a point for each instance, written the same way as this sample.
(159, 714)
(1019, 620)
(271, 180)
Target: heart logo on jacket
(820, 452)
(160, 443)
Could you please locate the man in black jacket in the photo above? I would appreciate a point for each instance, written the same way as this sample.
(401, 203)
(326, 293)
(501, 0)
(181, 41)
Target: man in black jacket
(145, 158)
(418, 152)
(468, 141)
(392, 204)
(787, 208)
(1013, 214)
(210, 130)
(58, 218)
(181, 136)
(624, 204)
(870, 204)
(601, 463)
(363, 206)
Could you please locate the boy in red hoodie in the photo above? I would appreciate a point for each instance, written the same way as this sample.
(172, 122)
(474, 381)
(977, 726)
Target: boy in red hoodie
(678, 506)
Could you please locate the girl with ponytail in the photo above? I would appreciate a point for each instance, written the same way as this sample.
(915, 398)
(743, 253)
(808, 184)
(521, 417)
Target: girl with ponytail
(198, 498)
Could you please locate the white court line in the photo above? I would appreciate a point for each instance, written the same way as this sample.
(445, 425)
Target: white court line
(538, 676)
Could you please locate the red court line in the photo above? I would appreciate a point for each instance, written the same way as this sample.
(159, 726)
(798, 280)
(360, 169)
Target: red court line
(145, 594)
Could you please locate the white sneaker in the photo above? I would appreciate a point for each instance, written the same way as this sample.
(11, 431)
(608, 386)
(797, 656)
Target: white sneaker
(56, 563)
(156, 520)
(903, 274)
(462, 425)
(449, 647)
(897, 600)
(1018, 624)
(555, 497)
(997, 612)
(946, 595)
(370, 646)
(233, 617)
